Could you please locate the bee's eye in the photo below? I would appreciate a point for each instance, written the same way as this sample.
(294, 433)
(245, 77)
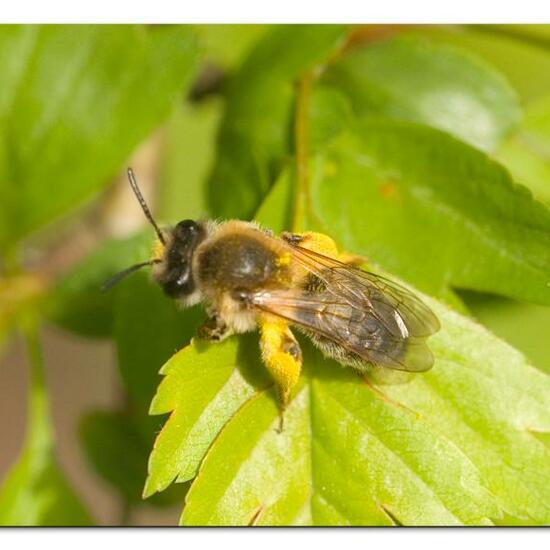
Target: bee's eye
(177, 277)
(186, 229)
(179, 282)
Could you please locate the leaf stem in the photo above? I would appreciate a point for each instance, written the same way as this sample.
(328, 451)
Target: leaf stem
(302, 197)
(39, 431)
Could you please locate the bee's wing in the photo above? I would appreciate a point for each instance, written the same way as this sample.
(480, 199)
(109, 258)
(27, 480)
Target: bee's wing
(369, 316)
(373, 292)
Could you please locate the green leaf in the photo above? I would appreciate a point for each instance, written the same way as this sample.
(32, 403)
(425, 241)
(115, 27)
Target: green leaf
(330, 112)
(434, 211)
(421, 81)
(527, 153)
(77, 303)
(75, 101)
(255, 133)
(214, 41)
(538, 34)
(524, 326)
(35, 492)
(117, 446)
(148, 329)
(525, 64)
(202, 389)
(116, 449)
(275, 213)
(188, 153)
(452, 446)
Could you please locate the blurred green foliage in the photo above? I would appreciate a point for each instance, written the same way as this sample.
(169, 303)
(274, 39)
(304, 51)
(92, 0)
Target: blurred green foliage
(414, 79)
(72, 95)
(256, 131)
(423, 147)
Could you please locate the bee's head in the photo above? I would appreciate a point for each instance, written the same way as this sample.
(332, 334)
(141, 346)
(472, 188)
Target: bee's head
(174, 260)
(173, 256)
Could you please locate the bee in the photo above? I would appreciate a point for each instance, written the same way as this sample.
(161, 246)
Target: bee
(249, 278)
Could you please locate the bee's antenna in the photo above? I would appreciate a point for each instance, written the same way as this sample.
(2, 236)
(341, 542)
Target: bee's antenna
(145, 208)
(121, 274)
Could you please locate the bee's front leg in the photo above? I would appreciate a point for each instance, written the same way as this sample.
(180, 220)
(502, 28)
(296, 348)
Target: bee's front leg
(214, 329)
(282, 356)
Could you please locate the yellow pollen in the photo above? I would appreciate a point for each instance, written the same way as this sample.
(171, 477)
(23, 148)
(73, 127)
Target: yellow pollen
(283, 260)
(158, 250)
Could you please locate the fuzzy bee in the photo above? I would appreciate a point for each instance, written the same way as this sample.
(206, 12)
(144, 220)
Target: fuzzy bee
(248, 278)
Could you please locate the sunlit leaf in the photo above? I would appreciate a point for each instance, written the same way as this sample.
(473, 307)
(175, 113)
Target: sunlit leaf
(201, 397)
(452, 446)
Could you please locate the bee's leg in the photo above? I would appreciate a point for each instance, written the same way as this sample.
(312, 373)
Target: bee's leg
(282, 356)
(323, 244)
(214, 329)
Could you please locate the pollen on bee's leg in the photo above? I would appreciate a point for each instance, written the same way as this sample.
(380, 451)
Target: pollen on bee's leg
(282, 357)
(317, 242)
(158, 250)
(352, 259)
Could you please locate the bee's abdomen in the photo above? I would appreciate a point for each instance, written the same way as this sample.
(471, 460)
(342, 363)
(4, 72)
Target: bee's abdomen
(237, 262)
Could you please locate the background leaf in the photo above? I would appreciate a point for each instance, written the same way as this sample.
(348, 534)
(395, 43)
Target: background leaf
(77, 303)
(140, 309)
(524, 326)
(117, 445)
(330, 112)
(53, 150)
(117, 451)
(214, 40)
(411, 78)
(526, 65)
(389, 192)
(527, 153)
(187, 157)
(35, 492)
(257, 123)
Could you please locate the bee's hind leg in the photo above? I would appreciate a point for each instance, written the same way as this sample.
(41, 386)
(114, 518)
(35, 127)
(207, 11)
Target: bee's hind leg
(214, 329)
(282, 356)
